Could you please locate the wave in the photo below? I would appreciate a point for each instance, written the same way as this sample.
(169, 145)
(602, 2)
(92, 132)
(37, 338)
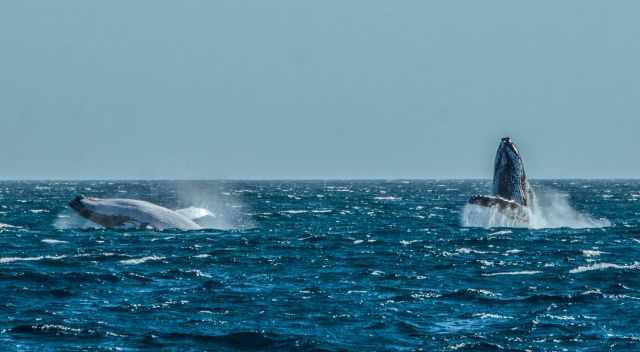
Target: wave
(137, 261)
(524, 272)
(52, 241)
(6, 260)
(55, 330)
(7, 226)
(604, 266)
(241, 341)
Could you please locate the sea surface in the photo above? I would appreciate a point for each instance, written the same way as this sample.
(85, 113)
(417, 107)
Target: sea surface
(323, 266)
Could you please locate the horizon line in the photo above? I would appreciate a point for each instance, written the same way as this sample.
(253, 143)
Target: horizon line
(311, 179)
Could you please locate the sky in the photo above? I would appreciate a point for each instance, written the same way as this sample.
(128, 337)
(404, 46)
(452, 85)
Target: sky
(290, 89)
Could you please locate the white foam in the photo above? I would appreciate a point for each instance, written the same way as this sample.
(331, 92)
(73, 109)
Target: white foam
(137, 261)
(559, 317)
(390, 198)
(52, 241)
(406, 243)
(294, 211)
(498, 233)
(30, 259)
(524, 272)
(483, 292)
(591, 253)
(464, 250)
(491, 316)
(199, 273)
(550, 209)
(604, 266)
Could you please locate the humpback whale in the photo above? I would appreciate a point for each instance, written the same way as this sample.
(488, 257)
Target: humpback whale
(114, 212)
(511, 189)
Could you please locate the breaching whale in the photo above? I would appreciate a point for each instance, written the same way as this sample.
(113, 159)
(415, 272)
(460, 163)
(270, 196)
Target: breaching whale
(114, 212)
(511, 190)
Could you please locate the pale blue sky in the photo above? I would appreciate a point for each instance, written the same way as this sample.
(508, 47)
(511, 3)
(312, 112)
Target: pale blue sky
(317, 89)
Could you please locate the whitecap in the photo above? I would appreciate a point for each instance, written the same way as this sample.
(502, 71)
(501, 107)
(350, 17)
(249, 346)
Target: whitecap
(356, 291)
(199, 273)
(294, 211)
(52, 241)
(30, 259)
(592, 253)
(483, 292)
(137, 261)
(559, 317)
(498, 233)
(604, 266)
(524, 272)
(490, 316)
(406, 243)
(469, 250)
(390, 198)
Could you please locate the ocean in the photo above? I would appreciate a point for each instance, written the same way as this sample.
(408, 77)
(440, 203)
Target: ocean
(401, 265)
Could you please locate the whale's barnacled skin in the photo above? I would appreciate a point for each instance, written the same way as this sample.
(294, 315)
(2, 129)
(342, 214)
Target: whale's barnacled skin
(510, 186)
(130, 212)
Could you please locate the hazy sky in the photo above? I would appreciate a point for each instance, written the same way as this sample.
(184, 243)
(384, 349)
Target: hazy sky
(317, 89)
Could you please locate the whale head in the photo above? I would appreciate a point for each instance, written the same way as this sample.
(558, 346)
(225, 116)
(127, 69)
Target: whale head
(509, 177)
(93, 209)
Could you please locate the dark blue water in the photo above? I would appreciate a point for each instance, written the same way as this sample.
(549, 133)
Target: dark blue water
(319, 266)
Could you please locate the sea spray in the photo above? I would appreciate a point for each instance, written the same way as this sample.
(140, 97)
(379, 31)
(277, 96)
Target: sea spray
(549, 209)
(68, 219)
(215, 208)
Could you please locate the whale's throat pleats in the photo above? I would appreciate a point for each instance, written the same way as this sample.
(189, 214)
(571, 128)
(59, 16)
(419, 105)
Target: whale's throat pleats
(509, 179)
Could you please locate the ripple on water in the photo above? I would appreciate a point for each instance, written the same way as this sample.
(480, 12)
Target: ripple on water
(343, 271)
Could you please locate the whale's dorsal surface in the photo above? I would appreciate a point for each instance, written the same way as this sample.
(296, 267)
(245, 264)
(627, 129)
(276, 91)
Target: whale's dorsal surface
(116, 212)
(509, 177)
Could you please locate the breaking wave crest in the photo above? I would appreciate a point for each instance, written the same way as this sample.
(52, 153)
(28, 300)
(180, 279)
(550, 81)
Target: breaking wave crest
(550, 209)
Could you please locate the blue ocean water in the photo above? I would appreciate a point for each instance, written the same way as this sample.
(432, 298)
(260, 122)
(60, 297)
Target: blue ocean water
(322, 266)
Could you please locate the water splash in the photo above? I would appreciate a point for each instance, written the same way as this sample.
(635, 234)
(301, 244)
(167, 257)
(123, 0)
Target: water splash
(213, 207)
(549, 209)
(68, 220)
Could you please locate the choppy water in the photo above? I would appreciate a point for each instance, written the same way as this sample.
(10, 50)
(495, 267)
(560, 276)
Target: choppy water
(322, 266)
